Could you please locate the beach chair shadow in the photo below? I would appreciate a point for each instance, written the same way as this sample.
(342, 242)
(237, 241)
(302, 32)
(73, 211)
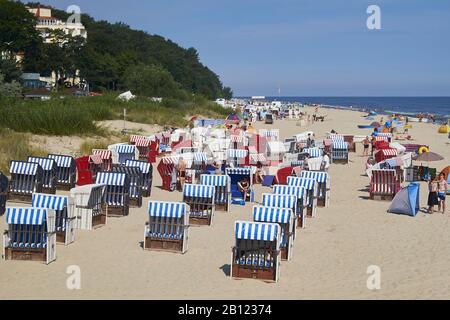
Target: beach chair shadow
(364, 197)
(226, 268)
(141, 244)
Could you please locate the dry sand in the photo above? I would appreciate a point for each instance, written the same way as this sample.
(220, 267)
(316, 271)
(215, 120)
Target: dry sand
(330, 256)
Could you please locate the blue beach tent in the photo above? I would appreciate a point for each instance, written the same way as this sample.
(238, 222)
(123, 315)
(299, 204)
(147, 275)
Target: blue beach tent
(406, 201)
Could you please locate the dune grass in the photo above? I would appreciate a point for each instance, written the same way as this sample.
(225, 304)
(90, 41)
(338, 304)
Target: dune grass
(15, 146)
(77, 116)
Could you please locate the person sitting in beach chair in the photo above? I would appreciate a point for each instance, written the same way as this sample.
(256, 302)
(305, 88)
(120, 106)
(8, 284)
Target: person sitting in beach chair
(244, 187)
(181, 168)
(259, 172)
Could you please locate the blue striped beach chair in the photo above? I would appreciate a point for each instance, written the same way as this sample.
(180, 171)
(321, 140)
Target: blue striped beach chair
(313, 152)
(26, 178)
(168, 227)
(324, 188)
(147, 175)
(121, 152)
(302, 200)
(30, 235)
(135, 176)
(116, 196)
(281, 201)
(256, 254)
(222, 187)
(339, 151)
(66, 171)
(49, 178)
(311, 187)
(4, 182)
(237, 156)
(88, 203)
(64, 214)
(236, 175)
(285, 218)
(200, 199)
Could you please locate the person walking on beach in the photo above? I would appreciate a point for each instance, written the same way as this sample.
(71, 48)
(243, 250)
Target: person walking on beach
(432, 195)
(374, 141)
(181, 168)
(442, 190)
(366, 144)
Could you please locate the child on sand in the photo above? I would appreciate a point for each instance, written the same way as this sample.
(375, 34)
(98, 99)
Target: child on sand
(432, 195)
(442, 190)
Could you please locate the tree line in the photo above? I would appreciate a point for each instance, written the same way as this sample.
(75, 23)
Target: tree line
(113, 57)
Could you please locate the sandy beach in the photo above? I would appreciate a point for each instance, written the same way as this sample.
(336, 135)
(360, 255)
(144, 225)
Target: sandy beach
(330, 258)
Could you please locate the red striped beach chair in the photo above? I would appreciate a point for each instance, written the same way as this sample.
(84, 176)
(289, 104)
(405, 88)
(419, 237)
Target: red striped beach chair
(384, 184)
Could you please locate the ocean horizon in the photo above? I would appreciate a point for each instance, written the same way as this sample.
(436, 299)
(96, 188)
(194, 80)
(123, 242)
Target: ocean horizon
(439, 106)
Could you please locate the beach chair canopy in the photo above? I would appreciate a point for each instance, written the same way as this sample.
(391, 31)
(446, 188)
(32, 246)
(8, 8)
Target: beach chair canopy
(62, 160)
(171, 159)
(239, 139)
(320, 177)
(237, 153)
(95, 159)
(273, 133)
(145, 167)
(389, 152)
(276, 147)
(104, 154)
(111, 178)
(272, 214)
(26, 216)
(279, 200)
(257, 231)
(140, 141)
(336, 137)
(25, 168)
(167, 209)
(215, 180)
(125, 148)
(239, 171)
(54, 202)
(200, 157)
(257, 157)
(406, 201)
(313, 152)
(47, 164)
(340, 145)
(308, 184)
(198, 191)
(289, 190)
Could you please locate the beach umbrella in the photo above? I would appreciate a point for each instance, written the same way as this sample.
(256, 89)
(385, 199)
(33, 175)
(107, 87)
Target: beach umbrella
(428, 157)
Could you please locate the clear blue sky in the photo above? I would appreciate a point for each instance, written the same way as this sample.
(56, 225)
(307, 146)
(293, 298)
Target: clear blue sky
(307, 47)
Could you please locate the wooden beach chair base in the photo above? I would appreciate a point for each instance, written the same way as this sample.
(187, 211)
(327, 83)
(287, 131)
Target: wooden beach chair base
(99, 220)
(284, 254)
(146, 193)
(382, 197)
(321, 202)
(26, 254)
(249, 272)
(153, 244)
(65, 186)
(49, 190)
(19, 197)
(114, 211)
(221, 207)
(200, 221)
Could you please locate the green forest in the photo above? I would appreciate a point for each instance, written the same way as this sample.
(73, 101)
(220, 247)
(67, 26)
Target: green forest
(113, 58)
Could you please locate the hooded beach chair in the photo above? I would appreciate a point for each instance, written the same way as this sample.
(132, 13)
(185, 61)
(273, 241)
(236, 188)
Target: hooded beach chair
(143, 145)
(236, 175)
(135, 176)
(384, 154)
(49, 177)
(123, 152)
(286, 219)
(3, 192)
(64, 214)
(26, 178)
(384, 184)
(281, 201)
(339, 151)
(30, 235)
(323, 185)
(147, 175)
(222, 188)
(84, 173)
(302, 201)
(116, 197)
(107, 158)
(168, 173)
(200, 199)
(311, 187)
(168, 227)
(275, 152)
(66, 171)
(237, 156)
(256, 253)
(88, 203)
(313, 152)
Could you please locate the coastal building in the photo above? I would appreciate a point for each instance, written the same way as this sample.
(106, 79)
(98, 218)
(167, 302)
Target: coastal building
(46, 23)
